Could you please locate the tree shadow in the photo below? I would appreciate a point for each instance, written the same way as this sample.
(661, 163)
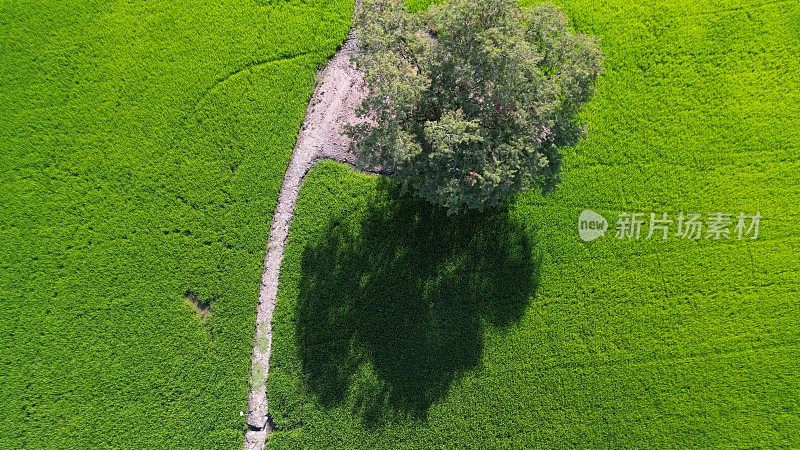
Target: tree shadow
(392, 305)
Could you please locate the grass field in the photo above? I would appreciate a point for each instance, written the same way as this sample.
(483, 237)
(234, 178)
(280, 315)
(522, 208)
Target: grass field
(397, 327)
(142, 146)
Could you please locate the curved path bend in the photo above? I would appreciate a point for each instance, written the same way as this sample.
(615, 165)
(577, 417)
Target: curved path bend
(340, 88)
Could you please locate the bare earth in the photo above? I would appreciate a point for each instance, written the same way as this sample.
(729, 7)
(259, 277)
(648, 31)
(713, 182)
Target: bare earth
(340, 88)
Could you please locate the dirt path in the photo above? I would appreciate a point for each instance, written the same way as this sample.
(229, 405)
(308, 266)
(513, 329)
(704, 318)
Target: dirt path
(339, 90)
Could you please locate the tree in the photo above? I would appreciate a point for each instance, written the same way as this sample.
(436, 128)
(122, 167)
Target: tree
(471, 101)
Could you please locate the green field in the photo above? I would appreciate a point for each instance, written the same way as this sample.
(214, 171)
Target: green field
(398, 327)
(142, 146)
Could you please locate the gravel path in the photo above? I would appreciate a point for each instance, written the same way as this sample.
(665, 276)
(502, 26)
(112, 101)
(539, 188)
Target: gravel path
(339, 90)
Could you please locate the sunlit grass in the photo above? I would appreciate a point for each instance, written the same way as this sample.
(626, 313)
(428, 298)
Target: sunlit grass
(142, 146)
(657, 344)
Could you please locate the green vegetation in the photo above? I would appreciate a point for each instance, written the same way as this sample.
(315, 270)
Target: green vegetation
(397, 327)
(142, 146)
(472, 101)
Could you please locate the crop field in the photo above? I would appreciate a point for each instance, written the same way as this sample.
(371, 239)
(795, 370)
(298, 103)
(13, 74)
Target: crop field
(398, 327)
(142, 146)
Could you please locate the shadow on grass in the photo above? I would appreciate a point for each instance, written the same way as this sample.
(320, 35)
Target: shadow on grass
(393, 303)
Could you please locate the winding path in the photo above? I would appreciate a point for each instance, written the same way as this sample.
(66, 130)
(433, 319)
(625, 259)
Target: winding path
(340, 88)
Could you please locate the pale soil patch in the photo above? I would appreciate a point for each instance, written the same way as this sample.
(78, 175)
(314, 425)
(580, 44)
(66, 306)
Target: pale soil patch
(340, 88)
(201, 308)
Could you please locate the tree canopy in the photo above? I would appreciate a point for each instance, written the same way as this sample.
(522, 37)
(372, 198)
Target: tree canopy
(470, 102)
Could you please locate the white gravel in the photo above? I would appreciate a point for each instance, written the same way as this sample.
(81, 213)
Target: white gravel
(340, 88)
